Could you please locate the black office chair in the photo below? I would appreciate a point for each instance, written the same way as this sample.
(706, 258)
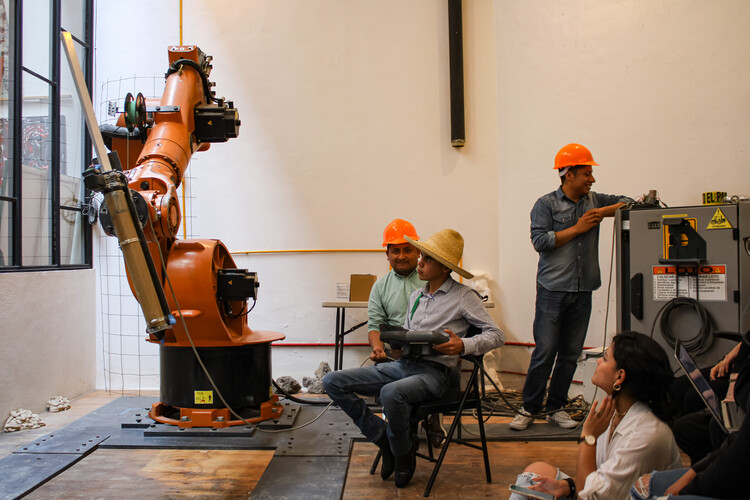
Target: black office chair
(455, 402)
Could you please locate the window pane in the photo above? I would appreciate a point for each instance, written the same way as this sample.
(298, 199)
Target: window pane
(37, 26)
(72, 126)
(6, 105)
(71, 237)
(73, 18)
(35, 173)
(6, 226)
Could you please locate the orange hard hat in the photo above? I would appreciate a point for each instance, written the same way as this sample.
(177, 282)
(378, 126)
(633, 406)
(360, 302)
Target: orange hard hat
(572, 155)
(394, 232)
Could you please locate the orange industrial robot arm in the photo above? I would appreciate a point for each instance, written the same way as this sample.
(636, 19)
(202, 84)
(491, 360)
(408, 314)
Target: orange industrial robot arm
(186, 119)
(155, 140)
(210, 346)
(212, 366)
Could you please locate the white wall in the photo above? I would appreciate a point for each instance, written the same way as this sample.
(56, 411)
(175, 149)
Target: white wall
(48, 334)
(658, 90)
(345, 125)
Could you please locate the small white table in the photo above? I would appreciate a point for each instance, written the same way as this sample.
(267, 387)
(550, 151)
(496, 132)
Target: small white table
(338, 342)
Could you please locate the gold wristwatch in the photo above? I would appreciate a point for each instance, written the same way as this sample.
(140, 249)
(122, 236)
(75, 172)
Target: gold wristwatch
(589, 439)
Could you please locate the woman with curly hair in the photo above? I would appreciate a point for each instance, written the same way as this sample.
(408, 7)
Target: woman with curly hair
(626, 435)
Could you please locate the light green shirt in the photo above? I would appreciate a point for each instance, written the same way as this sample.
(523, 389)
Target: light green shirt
(389, 299)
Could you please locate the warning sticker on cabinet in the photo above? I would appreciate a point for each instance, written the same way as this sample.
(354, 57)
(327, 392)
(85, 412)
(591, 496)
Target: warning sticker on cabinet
(704, 283)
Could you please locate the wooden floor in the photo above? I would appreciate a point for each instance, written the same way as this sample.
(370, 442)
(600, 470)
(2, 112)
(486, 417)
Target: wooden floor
(150, 473)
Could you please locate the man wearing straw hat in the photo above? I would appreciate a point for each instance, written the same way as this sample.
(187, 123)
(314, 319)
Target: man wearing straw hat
(443, 304)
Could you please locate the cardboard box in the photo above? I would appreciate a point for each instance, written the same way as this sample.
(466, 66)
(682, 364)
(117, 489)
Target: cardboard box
(359, 287)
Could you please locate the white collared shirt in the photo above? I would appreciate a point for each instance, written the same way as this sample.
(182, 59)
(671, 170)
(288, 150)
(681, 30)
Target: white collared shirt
(642, 443)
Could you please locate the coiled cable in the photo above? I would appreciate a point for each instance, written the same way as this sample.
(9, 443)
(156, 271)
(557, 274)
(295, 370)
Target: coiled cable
(698, 343)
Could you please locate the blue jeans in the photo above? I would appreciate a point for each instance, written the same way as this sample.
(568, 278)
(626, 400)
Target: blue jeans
(400, 384)
(660, 481)
(560, 325)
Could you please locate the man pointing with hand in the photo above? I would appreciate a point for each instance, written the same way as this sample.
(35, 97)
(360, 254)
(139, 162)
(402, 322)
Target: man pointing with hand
(565, 232)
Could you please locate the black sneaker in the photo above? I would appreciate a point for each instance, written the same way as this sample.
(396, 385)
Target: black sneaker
(405, 466)
(388, 463)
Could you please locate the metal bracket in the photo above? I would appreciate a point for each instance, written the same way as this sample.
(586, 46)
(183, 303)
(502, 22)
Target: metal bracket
(114, 110)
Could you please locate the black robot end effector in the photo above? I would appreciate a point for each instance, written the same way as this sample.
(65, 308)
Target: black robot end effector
(399, 337)
(95, 180)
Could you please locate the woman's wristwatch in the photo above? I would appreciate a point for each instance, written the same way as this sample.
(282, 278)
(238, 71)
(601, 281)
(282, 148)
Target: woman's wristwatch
(589, 439)
(572, 486)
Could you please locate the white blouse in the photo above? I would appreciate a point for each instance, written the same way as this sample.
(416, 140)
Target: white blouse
(640, 444)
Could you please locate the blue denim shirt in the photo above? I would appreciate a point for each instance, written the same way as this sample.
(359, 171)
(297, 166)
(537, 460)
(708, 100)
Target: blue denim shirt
(574, 266)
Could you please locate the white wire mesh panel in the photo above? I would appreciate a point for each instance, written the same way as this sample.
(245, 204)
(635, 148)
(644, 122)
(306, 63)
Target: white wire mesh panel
(126, 362)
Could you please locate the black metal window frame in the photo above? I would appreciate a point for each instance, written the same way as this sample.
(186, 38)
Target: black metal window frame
(15, 47)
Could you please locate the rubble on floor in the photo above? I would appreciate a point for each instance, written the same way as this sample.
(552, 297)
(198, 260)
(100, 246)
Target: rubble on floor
(22, 420)
(58, 403)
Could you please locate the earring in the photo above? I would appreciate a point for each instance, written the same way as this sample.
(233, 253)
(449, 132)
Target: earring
(616, 387)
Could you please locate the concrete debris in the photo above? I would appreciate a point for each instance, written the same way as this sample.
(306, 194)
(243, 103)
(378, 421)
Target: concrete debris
(22, 420)
(313, 385)
(323, 370)
(288, 384)
(58, 403)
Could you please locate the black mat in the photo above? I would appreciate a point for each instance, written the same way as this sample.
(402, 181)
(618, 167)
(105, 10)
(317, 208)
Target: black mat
(316, 455)
(320, 450)
(21, 473)
(540, 431)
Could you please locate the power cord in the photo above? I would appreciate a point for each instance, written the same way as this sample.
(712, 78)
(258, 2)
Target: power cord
(697, 344)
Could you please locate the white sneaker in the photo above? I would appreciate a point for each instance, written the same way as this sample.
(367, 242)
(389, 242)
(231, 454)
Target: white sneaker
(562, 419)
(521, 420)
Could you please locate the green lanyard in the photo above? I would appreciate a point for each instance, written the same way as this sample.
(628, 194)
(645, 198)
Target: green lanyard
(414, 307)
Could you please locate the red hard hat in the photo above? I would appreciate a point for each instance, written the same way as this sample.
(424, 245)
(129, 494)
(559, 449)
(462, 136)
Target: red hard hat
(572, 155)
(394, 232)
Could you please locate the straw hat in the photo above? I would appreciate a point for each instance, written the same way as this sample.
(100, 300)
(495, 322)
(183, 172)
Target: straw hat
(446, 247)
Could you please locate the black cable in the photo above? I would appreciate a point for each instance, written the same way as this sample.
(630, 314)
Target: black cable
(244, 313)
(701, 341)
(176, 66)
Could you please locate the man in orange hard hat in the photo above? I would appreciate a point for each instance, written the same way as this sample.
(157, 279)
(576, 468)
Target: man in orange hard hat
(565, 232)
(389, 296)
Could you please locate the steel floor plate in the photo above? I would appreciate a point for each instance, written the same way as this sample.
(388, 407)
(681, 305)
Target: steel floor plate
(319, 449)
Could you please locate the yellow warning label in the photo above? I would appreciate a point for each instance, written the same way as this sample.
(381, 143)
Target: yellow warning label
(719, 221)
(204, 397)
